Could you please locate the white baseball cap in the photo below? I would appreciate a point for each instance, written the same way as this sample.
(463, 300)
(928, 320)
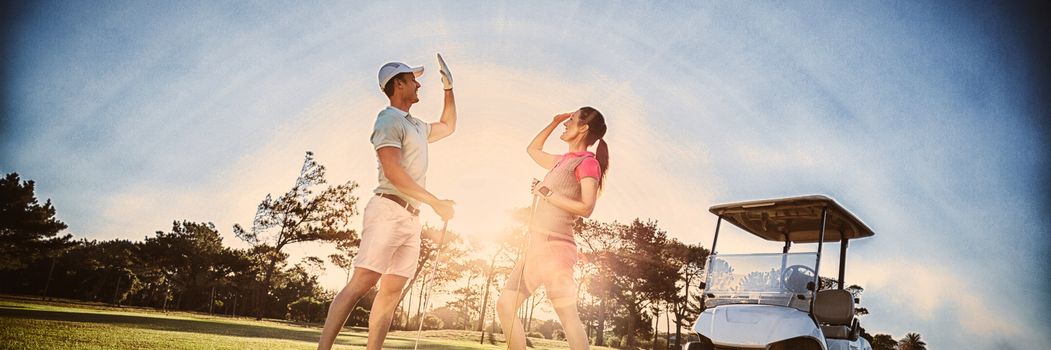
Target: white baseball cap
(391, 69)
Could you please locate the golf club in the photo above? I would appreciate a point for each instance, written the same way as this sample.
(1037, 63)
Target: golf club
(518, 286)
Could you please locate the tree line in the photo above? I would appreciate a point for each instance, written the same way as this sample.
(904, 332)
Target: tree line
(187, 268)
(632, 276)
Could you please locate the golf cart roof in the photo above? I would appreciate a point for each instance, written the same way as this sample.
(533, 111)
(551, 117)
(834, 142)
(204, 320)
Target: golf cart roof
(797, 219)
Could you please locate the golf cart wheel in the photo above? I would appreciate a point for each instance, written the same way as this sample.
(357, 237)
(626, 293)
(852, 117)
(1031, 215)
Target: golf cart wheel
(698, 346)
(703, 344)
(800, 343)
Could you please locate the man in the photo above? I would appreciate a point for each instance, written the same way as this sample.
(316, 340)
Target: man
(390, 236)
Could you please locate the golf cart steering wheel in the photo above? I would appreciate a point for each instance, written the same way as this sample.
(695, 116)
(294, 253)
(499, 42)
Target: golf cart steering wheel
(796, 277)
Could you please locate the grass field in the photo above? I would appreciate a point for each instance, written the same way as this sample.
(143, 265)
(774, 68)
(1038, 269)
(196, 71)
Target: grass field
(27, 323)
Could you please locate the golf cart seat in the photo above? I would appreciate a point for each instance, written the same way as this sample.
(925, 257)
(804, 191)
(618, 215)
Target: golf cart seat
(834, 308)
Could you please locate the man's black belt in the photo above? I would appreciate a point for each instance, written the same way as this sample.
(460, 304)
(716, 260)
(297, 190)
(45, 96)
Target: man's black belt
(401, 202)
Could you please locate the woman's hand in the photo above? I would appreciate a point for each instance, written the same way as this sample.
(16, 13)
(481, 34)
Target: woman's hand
(541, 194)
(536, 147)
(582, 207)
(561, 118)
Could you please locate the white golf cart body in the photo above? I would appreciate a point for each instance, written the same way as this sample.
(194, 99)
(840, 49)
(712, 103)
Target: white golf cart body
(767, 301)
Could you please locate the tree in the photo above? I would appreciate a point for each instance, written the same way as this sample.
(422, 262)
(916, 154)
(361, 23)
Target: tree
(443, 262)
(827, 283)
(641, 274)
(28, 230)
(348, 248)
(107, 271)
(691, 261)
(535, 300)
(598, 241)
(883, 342)
(298, 216)
(187, 257)
(238, 273)
(305, 309)
(468, 296)
(299, 281)
(632, 273)
(500, 263)
(464, 307)
(511, 247)
(912, 341)
(856, 291)
(448, 316)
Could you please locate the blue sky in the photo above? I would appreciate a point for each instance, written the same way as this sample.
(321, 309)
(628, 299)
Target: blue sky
(920, 118)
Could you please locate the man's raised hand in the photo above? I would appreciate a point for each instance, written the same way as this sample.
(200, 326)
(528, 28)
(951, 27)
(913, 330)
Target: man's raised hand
(447, 77)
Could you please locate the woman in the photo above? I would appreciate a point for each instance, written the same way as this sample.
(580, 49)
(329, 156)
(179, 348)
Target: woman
(569, 191)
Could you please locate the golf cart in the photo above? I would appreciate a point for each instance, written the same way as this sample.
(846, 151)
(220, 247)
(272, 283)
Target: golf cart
(771, 300)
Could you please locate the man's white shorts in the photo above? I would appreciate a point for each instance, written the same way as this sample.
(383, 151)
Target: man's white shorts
(390, 239)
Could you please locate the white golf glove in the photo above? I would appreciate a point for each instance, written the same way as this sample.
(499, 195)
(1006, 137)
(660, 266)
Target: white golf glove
(447, 77)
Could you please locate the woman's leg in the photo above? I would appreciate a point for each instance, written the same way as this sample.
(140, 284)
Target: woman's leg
(516, 291)
(507, 308)
(566, 308)
(562, 291)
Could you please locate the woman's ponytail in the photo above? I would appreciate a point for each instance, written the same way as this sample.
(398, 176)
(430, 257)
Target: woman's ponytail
(602, 155)
(596, 131)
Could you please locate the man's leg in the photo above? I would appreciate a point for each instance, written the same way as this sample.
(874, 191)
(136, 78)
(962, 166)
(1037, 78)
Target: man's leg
(344, 303)
(383, 309)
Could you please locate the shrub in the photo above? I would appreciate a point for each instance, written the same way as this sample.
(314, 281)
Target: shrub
(304, 309)
(432, 322)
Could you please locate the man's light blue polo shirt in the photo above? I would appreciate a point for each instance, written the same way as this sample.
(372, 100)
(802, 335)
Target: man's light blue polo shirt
(396, 128)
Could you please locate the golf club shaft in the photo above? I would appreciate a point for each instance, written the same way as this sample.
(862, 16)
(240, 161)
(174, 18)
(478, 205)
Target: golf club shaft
(518, 286)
